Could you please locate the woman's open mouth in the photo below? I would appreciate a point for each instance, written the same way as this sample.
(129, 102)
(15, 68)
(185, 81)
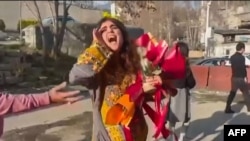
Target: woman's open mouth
(112, 39)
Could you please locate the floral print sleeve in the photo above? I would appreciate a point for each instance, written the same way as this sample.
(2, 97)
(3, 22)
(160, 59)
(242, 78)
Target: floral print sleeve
(89, 63)
(97, 55)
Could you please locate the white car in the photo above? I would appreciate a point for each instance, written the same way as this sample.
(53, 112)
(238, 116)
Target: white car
(49, 20)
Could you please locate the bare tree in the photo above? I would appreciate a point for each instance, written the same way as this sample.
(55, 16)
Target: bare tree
(52, 12)
(58, 27)
(163, 19)
(192, 27)
(131, 10)
(37, 14)
(59, 32)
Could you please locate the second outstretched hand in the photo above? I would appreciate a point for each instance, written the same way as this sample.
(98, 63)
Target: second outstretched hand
(58, 95)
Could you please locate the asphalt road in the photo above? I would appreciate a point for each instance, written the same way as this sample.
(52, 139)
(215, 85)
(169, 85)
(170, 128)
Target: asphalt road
(73, 123)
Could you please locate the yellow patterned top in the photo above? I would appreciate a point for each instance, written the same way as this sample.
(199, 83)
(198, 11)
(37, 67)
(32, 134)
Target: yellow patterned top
(117, 81)
(112, 94)
(96, 54)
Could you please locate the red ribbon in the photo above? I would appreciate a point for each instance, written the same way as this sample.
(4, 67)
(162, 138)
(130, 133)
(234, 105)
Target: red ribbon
(135, 90)
(158, 116)
(173, 64)
(127, 133)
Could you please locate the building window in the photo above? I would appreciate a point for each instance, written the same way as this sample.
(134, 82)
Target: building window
(227, 52)
(229, 39)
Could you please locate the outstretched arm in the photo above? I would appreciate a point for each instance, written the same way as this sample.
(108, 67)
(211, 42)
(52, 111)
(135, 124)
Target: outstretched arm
(16, 103)
(10, 103)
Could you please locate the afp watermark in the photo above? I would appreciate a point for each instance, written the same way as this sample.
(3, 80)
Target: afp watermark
(241, 132)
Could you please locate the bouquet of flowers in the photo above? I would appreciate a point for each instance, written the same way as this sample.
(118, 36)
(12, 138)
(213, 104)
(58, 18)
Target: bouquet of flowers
(150, 52)
(157, 57)
(148, 68)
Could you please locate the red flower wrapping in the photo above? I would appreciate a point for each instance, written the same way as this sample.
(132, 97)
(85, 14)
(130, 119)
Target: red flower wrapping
(170, 60)
(156, 53)
(173, 65)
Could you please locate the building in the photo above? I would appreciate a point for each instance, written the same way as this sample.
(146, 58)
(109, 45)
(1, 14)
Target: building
(224, 41)
(231, 21)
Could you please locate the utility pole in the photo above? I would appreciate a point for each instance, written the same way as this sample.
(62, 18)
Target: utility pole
(112, 9)
(207, 26)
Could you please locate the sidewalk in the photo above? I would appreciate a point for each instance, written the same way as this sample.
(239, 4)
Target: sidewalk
(73, 122)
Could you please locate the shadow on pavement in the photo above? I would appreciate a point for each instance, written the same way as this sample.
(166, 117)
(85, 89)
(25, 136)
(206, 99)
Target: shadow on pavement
(201, 128)
(242, 118)
(77, 128)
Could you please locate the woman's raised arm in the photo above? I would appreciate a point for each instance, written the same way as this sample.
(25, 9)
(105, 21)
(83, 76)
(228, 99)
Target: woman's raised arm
(89, 63)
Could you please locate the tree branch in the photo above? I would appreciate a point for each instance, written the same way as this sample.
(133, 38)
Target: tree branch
(38, 12)
(67, 8)
(33, 13)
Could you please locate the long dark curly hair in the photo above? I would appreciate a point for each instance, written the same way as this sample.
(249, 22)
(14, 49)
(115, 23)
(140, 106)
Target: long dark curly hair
(184, 49)
(129, 58)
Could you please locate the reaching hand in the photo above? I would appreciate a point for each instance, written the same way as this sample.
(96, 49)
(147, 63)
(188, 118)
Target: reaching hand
(58, 95)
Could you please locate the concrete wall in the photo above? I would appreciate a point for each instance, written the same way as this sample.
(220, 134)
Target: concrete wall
(10, 12)
(195, 54)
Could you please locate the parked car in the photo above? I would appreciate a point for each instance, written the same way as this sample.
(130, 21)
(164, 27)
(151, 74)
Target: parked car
(49, 20)
(210, 61)
(247, 60)
(216, 61)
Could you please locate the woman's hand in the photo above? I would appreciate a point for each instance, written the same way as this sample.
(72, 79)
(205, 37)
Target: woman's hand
(97, 37)
(153, 80)
(58, 95)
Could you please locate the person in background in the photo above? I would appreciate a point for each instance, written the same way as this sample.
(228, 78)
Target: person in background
(10, 103)
(239, 78)
(222, 63)
(180, 104)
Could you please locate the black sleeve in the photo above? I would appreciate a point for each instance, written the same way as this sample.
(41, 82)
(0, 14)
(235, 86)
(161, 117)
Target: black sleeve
(190, 80)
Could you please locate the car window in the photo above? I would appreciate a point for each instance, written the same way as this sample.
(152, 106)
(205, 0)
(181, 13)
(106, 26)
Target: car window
(248, 57)
(201, 62)
(210, 63)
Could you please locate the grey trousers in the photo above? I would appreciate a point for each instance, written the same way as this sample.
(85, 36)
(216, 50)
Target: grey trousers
(239, 83)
